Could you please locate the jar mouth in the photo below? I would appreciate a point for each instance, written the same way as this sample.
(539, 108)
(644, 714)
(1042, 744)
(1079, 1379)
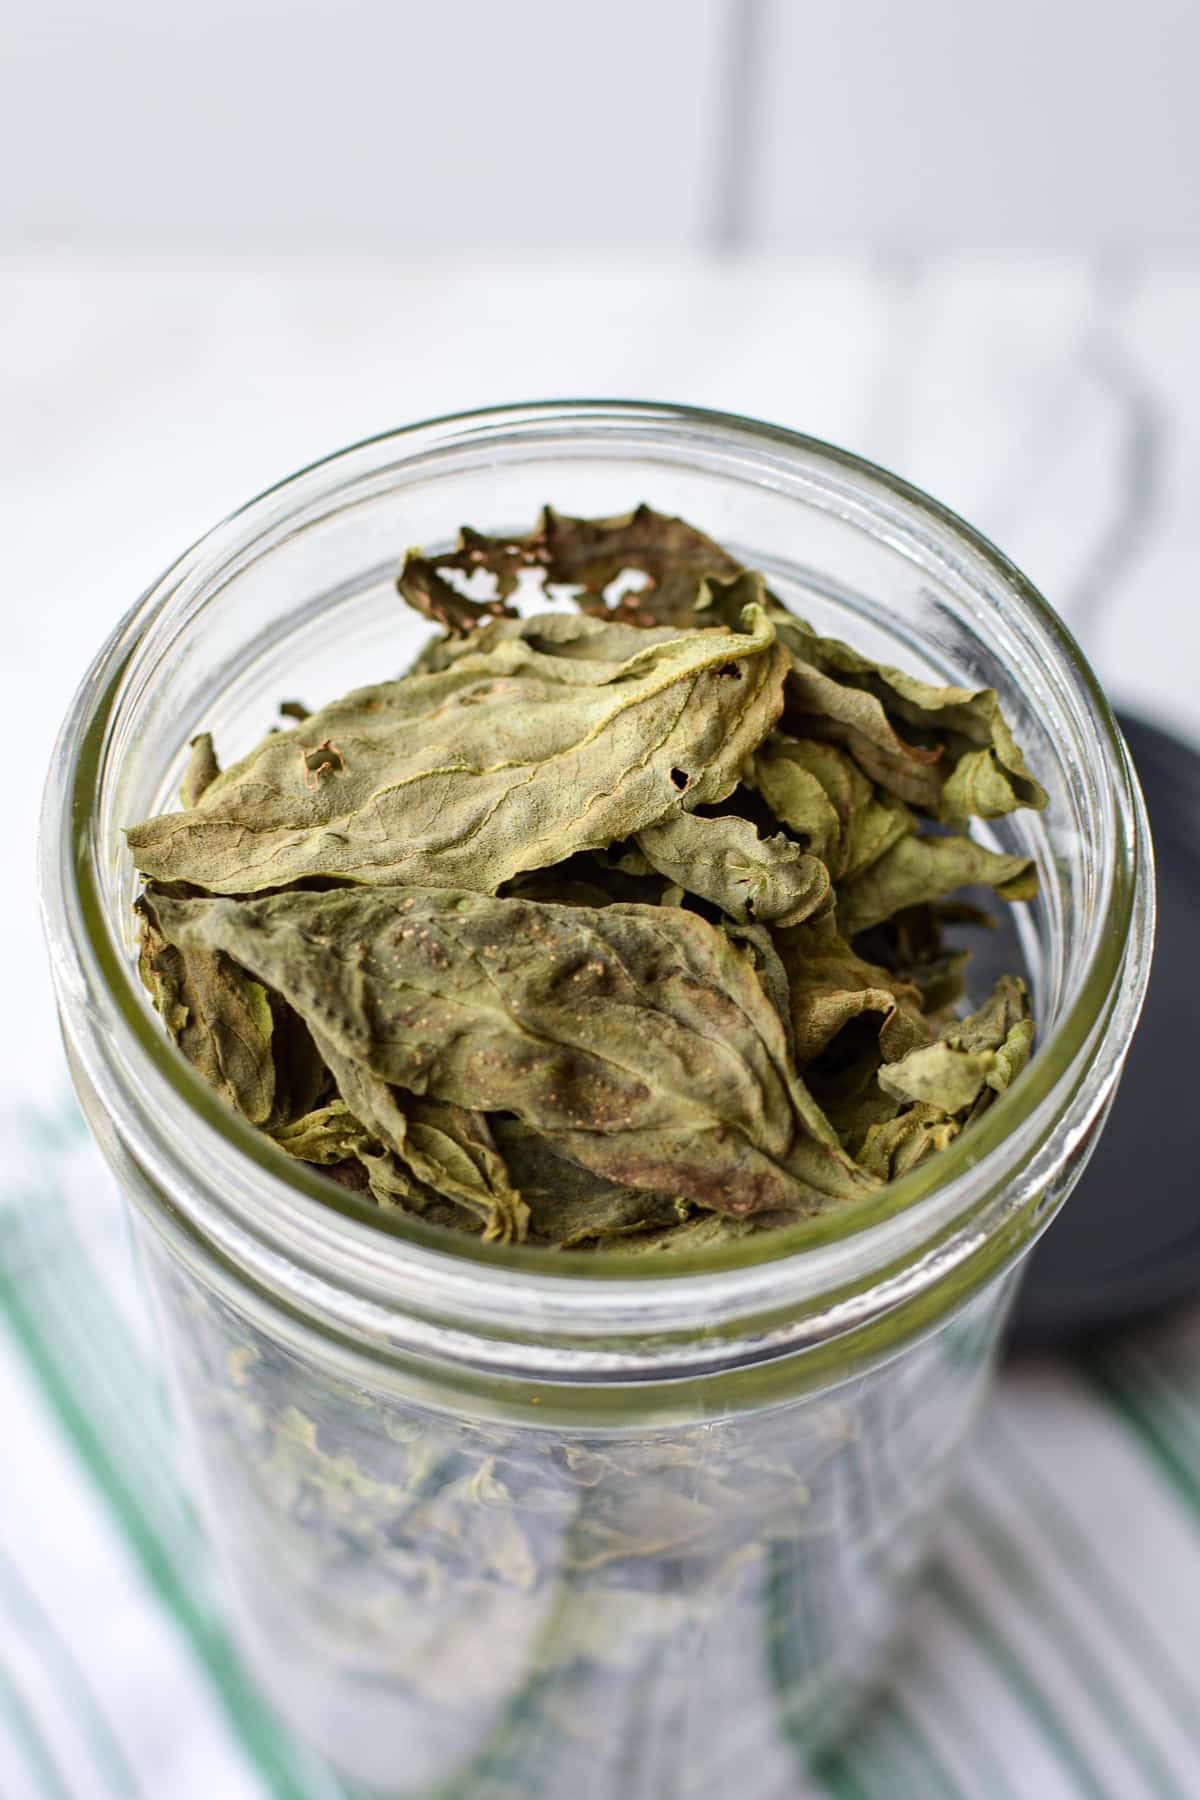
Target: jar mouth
(952, 1206)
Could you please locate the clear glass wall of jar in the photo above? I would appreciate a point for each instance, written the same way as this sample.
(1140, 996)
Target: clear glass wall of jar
(494, 1523)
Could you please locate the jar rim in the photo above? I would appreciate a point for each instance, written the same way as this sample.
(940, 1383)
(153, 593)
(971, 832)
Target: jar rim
(930, 1221)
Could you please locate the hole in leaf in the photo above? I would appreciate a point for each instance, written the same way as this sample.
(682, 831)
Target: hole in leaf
(681, 778)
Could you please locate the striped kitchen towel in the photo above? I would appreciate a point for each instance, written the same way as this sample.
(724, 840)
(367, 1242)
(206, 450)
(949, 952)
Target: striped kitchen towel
(1054, 1649)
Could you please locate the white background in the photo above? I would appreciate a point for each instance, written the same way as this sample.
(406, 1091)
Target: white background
(906, 124)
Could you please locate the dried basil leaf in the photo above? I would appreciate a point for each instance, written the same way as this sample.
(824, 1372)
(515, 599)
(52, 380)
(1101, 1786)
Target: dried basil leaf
(829, 985)
(960, 759)
(551, 644)
(463, 778)
(492, 1004)
(919, 869)
(329, 1134)
(570, 1205)
(447, 1147)
(723, 860)
(424, 586)
(202, 769)
(218, 1016)
(988, 1049)
(585, 554)
(894, 1147)
(822, 795)
(819, 706)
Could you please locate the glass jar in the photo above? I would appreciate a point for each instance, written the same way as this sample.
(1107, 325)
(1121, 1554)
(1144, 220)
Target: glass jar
(496, 1522)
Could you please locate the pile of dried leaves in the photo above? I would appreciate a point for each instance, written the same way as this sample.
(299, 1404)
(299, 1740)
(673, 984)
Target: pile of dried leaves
(619, 927)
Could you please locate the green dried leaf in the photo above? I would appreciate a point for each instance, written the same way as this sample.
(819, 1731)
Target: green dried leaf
(569, 647)
(984, 1051)
(448, 1148)
(534, 940)
(822, 795)
(958, 758)
(202, 769)
(704, 1232)
(829, 986)
(330, 1134)
(464, 778)
(218, 1016)
(724, 861)
(897, 1145)
(758, 945)
(570, 1205)
(919, 869)
(820, 706)
(940, 1076)
(492, 1004)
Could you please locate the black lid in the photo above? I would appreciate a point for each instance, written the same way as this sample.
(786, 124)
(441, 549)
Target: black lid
(1127, 1243)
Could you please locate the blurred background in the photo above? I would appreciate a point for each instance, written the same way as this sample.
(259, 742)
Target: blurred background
(962, 241)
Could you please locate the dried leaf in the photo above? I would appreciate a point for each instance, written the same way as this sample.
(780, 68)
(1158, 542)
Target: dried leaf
(330, 1134)
(919, 869)
(829, 986)
(973, 1059)
(202, 769)
(570, 1205)
(958, 759)
(492, 1005)
(427, 591)
(218, 1016)
(724, 861)
(822, 795)
(585, 554)
(569, 647)
(464, 778)
(894, 1147)
(535, 940)
(448, 1148)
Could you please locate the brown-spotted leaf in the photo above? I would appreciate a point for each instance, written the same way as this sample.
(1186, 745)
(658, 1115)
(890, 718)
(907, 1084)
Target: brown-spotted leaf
(638, 1040)
(570, 1205)
(585, 554)
(424, 586)
(466, 778)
